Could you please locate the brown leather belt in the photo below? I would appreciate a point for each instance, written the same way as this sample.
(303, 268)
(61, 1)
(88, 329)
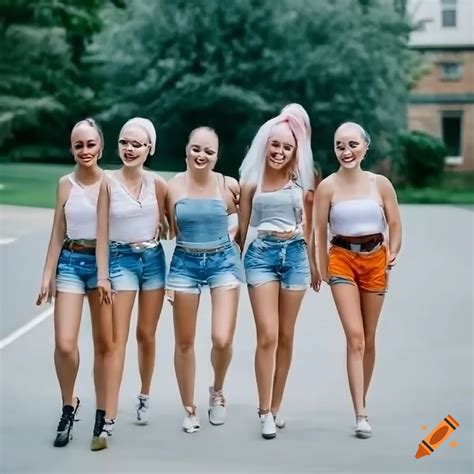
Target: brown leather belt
(73, 247)
(366, 246)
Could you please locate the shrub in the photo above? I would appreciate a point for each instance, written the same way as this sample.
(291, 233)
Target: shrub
(421, 159)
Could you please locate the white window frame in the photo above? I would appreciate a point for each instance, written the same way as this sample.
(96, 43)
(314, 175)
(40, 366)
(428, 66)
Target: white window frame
(451, 77)
(449, 6)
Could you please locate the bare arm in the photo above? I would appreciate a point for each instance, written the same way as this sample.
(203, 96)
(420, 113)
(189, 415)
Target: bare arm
(56, 240)
(170, 205)
(322, 202)
(310, 240)
(233, 208)
(392, 215)
(308, 223)
(246, 195)
(102, 244)
(161, 189)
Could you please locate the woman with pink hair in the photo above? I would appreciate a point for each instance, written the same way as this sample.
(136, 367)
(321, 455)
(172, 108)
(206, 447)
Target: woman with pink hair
(275, 219)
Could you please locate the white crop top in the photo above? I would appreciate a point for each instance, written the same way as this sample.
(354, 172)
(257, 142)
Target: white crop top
(80, 210)
(133, 220)
(279, 211)
(359, 216)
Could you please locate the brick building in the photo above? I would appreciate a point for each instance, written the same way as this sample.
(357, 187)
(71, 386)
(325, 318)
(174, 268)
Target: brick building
(442, 100)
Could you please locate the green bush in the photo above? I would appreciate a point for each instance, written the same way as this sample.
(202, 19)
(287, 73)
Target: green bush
(421, 160)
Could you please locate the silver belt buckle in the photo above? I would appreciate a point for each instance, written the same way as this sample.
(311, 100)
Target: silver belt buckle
(356, 247)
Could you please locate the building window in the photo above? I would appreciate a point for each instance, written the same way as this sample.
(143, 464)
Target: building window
(451, 124)
(448, 13)
(451, 71)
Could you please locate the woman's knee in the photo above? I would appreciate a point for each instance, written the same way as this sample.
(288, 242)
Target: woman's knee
(369, 344)
(221, 343)
(285, 340)
(356, 343)
(145, 337)
(184, 346)
(66, 346)
(267, 341)
(103, 346)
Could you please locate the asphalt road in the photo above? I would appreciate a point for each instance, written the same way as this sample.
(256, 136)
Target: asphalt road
(423, 373)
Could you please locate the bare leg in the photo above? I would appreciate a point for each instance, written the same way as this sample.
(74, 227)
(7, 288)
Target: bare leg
(150, 304)
(121, 312)
(224, 316)
(347, 301)
(264, 301)
(290, 302)
(102, 334)
(371, 305)
(185, 309)
(67, 319)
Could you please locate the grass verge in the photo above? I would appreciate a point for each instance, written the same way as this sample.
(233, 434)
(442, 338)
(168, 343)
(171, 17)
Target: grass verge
(34, 185)
(25, 184)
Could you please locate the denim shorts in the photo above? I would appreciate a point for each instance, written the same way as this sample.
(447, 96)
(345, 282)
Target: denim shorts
(191, 269)
(76, 272)
(136, 269)
(270, 258)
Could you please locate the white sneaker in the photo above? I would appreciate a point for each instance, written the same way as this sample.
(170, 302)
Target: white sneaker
(363, 429)
(279, 422)
(191, 421)
(268, 426)
(142, 410)
(217, 407)
(108, 428)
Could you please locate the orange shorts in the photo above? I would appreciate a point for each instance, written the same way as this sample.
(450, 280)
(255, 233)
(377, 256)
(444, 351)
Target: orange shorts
(366, 270)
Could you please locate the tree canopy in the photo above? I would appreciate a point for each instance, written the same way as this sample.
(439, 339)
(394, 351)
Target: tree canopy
(229, 65)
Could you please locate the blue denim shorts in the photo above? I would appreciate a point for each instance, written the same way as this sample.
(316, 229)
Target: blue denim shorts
(270, 258)
(192, 269)
(76, 272)
(136, 269)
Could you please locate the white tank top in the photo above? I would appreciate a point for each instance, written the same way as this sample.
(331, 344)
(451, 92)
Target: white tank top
(133, 220)
(280, 211)
(360, 216)
(80, 210)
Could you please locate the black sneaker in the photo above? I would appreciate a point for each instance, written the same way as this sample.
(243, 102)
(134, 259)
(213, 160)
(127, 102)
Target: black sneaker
(66, 422)
(98, 443)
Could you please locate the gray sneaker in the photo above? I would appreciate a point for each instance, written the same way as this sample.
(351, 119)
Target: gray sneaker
(143, 408)
(279, 421)
(363, 430)
(191, 421)
(268, 426)
(217, 407)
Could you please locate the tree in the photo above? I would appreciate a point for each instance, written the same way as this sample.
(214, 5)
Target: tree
(44, 88)
(232, 65)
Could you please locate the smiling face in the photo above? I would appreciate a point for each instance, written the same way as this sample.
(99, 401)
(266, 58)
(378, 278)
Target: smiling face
(202, 149)
(134, 146)
(350, 146)
(281, 147)
(86, 145)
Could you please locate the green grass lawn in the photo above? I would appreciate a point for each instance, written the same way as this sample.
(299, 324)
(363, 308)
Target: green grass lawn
(456, 188)
(435, 196)
(25, 184)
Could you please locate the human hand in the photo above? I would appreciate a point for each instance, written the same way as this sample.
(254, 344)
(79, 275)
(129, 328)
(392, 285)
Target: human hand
(392, 260)
(170, 296)
(315, 278)
(163, 230)
(105, 291)
(47, 291)
(324, 276)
